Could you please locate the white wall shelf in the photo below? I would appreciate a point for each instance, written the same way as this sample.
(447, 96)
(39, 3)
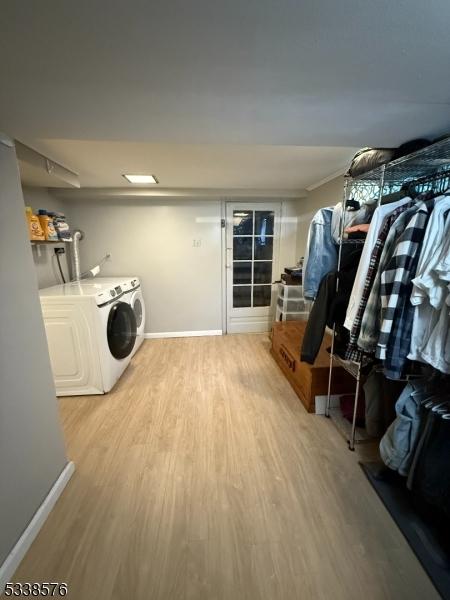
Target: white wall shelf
(49, 242)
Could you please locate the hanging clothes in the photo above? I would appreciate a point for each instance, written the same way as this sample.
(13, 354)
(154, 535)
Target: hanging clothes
(371, 314)
(374, 407)
(351, 217)
(432, 427)
(377, 225)
(436, 350)
(443, 267)
(396, 300)
(317, 320)
(376, 244)
(398, 444)
(426, 284)
(397, 313)
(330, 306)
(430, 291)
(431, 479)
(321, 256)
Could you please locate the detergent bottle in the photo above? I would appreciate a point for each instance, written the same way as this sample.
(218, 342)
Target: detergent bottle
(35, 232)
(47, 225)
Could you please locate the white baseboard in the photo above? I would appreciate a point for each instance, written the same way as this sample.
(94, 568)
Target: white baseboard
(178, 334)
(14, 558)
(321, 403)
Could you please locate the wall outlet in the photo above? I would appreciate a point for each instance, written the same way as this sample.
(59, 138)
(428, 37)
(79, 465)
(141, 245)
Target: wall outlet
(59, 250)
(197, 243)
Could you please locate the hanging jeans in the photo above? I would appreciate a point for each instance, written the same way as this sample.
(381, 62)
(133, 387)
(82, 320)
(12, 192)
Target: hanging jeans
(398, 444)
(431, 478)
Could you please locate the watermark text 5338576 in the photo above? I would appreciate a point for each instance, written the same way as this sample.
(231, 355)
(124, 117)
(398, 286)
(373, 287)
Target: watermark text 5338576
(36, 589)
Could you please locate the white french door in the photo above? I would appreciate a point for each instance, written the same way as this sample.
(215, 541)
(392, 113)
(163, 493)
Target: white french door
(252, 249)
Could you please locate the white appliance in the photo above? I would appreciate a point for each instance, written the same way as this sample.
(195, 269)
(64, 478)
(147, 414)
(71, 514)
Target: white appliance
(132, 295)
(91, 332)
(138, 306)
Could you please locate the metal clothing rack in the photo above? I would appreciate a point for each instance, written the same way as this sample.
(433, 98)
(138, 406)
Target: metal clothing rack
(427, 169)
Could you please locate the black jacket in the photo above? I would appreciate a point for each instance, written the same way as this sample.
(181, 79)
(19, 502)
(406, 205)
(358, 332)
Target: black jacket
(330, 307)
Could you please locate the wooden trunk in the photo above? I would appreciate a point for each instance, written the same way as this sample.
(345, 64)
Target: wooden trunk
(307, 380)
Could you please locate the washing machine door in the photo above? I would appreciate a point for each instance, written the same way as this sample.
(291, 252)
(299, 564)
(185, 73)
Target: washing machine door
(121, 330)
(137, 304)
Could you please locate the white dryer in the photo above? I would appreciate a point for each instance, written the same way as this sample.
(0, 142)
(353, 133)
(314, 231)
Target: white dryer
(138, 306)
(91, 333)
(133, 295)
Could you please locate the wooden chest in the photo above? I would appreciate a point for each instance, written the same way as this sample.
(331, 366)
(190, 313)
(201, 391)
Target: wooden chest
(307, 380)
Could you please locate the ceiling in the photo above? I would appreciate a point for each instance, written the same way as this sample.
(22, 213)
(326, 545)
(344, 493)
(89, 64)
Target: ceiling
(211, 94)
(197, 165)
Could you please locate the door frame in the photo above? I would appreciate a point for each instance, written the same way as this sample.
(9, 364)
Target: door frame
(223, 230)
(277, 246)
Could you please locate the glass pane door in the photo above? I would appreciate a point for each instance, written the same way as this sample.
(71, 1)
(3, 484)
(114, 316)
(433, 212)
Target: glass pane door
(252, 236)
(252, 265)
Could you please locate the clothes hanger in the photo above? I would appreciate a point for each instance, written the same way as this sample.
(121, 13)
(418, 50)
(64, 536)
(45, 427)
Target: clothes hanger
(410, 376)
(430, 396)
(352, 204)
(430, 401)
(442, 408)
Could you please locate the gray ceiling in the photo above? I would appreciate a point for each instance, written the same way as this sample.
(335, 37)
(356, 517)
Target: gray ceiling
(325, 73)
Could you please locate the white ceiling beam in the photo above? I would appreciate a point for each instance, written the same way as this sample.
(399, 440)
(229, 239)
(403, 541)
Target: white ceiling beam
(125, 193)
(45, 165)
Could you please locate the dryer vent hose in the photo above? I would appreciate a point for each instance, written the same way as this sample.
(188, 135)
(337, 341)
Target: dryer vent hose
(76, 267)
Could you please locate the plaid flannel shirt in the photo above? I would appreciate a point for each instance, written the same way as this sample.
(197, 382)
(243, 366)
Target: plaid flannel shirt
(396, 286)
(399, 341)
(370, 321)
(353, 352)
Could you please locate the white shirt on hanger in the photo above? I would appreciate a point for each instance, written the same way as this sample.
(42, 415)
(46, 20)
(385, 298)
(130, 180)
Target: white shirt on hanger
(426, 281)
(376, 223)
(436, 351)
(430, 323)
(442, 269)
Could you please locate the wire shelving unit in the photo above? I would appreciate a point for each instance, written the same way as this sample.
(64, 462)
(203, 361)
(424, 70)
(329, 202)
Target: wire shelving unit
(425, 170)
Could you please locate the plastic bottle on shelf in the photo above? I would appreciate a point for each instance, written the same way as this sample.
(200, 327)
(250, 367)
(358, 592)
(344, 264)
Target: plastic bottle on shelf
(62, 227)
(47, 225)
(35, 232)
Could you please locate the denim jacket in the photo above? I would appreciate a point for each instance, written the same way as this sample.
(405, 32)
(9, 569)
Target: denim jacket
(398, 444)
(321, 253)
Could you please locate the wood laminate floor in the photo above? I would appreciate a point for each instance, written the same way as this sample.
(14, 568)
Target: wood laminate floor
(201, 476)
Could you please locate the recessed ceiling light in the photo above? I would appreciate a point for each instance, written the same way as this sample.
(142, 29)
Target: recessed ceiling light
(141, 178)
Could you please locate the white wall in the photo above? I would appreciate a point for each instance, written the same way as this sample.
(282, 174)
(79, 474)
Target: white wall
(153, 239)
(32, 453)
(290, 211)
(328, 194)
(44, 255)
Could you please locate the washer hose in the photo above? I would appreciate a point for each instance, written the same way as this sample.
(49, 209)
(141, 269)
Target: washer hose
(76, 236)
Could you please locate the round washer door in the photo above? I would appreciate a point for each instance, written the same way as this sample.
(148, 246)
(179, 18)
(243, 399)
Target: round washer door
(121, 330)
(138, 311)
(137, 303)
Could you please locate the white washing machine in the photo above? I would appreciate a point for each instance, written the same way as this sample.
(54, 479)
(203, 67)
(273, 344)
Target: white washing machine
(138, 306)
(132, 295)
(91, 333)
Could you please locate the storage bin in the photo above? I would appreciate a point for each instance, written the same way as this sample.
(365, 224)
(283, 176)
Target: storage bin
(288, 305)
(290, 316)
(292, 292)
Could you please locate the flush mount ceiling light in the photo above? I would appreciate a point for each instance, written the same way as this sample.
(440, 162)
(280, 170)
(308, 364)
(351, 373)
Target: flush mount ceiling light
(141, 178)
